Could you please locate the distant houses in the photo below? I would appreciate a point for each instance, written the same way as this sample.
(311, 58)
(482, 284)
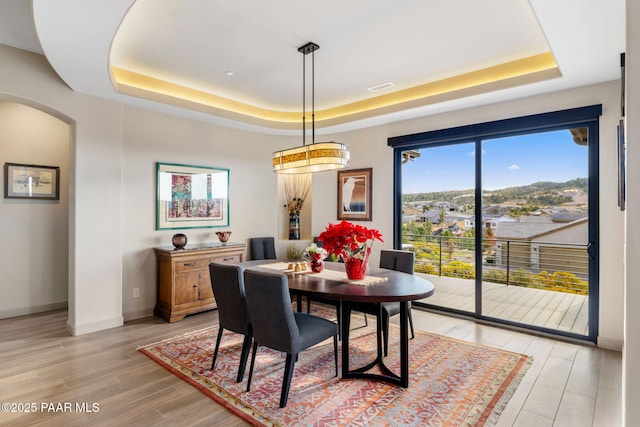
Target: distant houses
(489, 221)
(551, 239)
(433, 216)
(548, 245)
(447, 206)
(410, 211)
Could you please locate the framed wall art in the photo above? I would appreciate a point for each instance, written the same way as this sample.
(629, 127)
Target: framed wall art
(31, 182)
(354, 194)
(191, 196)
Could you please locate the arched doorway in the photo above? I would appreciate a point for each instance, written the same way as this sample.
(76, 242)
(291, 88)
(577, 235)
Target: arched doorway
(35, 262)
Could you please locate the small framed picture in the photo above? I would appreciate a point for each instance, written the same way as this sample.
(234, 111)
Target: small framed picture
(354, 194)
(31, 182)
(191, 196)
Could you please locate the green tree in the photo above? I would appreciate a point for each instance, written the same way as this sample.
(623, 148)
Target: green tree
(426, 228)
(449, 243)
(468, 241)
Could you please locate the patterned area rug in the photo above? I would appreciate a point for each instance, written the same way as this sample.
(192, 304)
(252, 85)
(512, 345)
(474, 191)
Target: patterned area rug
(452, 383)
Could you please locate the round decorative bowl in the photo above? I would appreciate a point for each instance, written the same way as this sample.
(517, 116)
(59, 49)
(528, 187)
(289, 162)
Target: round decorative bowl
(179, 241)
(223, 236)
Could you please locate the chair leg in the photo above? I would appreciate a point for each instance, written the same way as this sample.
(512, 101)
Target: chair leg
(286, 381)
(366, 322)
(253, 361)
(244, 355)
(413, 335)
(215, 352)
(335, 351)
(385, 332)
(339, 318)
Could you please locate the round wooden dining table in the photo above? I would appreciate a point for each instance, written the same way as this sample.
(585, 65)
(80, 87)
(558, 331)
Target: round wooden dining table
(380, 285)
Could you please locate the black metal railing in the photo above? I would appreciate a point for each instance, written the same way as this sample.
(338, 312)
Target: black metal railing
(539, 264)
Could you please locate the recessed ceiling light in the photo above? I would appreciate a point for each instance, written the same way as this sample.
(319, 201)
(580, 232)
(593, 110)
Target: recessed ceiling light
(380, 87)
(228, 73)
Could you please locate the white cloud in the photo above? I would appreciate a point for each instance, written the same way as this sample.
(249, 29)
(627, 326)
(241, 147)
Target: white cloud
(513, 167)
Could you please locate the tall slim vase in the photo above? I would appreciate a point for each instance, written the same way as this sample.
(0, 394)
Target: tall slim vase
(294, 226)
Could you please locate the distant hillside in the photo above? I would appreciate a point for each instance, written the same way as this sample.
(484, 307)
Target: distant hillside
(539, 193)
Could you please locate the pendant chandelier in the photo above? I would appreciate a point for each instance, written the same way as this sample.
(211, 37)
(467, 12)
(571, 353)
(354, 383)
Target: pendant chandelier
(315, 157)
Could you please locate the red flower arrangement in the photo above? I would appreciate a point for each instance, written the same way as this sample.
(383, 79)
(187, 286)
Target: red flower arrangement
(353, 243)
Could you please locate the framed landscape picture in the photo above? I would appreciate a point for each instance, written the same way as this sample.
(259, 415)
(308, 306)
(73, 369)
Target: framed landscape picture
(354, 194)
(191, 196)
(31, 182)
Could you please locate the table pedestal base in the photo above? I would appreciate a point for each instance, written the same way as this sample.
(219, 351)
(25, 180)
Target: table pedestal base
(403, 379)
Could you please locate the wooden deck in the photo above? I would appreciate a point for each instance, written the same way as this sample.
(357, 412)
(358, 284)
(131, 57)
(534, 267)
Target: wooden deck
(549, 309)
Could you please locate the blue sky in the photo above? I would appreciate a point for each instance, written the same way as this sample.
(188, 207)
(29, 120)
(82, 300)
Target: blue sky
(507, 162)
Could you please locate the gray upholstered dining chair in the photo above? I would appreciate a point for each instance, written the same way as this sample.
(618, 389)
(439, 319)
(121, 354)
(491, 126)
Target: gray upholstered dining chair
(227, 282)
(393, 260)
(277, 326)
(262, 248)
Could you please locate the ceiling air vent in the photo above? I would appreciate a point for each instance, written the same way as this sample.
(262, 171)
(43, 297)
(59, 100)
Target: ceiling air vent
(380, 87)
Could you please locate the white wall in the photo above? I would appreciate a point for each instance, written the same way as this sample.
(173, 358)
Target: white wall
(34, 264)
(95, 220)
(369, 149)
(151, 137)
(631, 367)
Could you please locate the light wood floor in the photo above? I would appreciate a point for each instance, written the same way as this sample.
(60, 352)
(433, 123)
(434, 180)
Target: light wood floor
(567, 385)
(539, 307)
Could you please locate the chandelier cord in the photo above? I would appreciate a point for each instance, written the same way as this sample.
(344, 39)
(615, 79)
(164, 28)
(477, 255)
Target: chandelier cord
(313, 97)
(311, 158)
(304, 100)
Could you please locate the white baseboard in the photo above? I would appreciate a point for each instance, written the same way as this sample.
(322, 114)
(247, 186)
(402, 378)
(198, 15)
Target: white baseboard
(138, 314)
(610, 343)
(24, 311)
(87, 328)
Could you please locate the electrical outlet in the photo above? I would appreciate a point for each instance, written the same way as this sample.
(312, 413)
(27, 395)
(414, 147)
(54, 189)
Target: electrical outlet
(136, 292)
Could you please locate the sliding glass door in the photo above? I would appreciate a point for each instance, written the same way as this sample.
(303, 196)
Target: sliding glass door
(438, 220)
(504, 223)
(535, 213)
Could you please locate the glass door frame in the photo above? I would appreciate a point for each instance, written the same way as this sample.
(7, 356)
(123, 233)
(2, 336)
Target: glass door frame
(577, 117)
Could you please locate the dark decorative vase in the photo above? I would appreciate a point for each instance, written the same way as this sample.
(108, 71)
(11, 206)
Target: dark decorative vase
(223, 236)
(179, 241)
(294, 226)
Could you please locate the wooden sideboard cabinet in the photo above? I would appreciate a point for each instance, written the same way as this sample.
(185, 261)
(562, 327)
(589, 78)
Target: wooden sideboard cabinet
(184, 285)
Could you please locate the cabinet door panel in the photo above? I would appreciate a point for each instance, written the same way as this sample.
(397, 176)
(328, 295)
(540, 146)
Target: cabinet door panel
(187, 287)
(205, 291)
